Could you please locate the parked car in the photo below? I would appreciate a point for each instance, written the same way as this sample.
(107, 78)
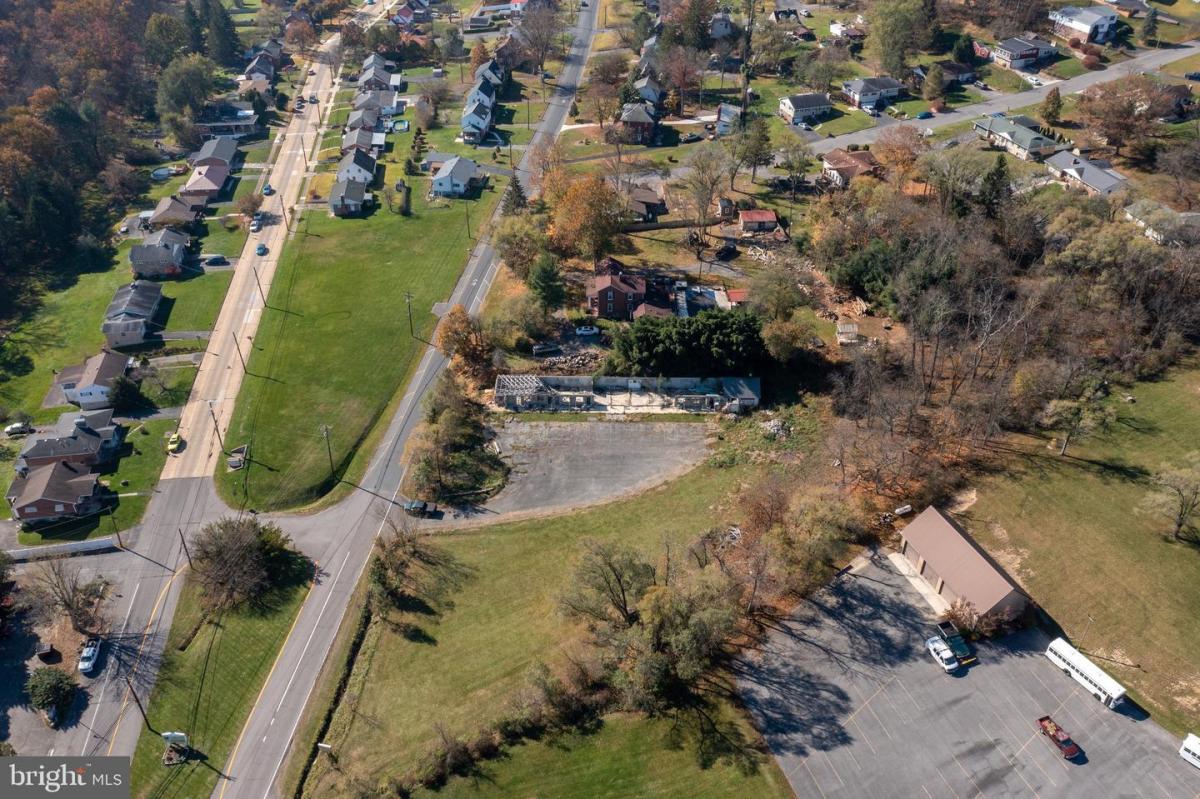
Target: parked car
(18, 429)
(1192, 76)
(261, 249)
(545, 349)
(124, 229)
(258, 216)
(268, 190)
(805, 126)
(691, 137)
(981, 85)
(1059, 737)
(925, 115)
(255, 225)
(89, 658)
(954, 639)
(420, 508)
(312, 72)
(942, 654)
(216, 260)
(587, 330)
(174, 442)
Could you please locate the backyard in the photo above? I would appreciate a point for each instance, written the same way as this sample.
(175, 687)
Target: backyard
(334, 345)
(458, 664)
(1072, 531)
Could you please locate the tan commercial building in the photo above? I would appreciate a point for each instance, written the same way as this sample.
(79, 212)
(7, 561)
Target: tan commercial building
(955, 567)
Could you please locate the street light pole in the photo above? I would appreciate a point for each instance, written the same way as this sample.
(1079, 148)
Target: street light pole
(408, 298)
(241, 357)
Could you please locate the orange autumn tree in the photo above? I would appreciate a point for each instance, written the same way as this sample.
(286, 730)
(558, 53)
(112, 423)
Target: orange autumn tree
(587, 218)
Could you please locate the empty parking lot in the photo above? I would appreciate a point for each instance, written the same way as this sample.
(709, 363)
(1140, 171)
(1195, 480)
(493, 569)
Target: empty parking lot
(853, 706)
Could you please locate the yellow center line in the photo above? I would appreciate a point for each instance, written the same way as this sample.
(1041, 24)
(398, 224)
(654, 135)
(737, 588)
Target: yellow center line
(138, 659)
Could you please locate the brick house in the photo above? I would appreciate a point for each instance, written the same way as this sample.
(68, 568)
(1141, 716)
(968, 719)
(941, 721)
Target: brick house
(55, 491)
(615, 296)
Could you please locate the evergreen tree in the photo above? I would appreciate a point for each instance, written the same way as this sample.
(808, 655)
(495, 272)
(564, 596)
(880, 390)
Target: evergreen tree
(194, 27)
(1150, 27)
(515, 200)
(964, 49)
(629, 92)
(546, 284)
(934, 86)
(1051, 109)
(223, 44)
(996, 188)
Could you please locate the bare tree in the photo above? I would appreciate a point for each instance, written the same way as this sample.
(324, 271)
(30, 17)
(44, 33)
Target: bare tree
(1176, 495)
(540, 32)
(683, 70)
(58, 586)
(706, 168)
(605, 100)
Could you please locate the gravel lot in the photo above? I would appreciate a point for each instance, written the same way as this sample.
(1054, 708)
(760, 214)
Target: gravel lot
(852, 706)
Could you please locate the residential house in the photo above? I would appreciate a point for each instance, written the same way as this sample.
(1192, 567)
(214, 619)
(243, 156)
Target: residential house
(173, 211)
(720, 26)
(87, 384)
(53, 492)
(363, 139)
(272, 49)
(872, 92)
(799, 108)
(484, 91)
(615, 296)
(848, 33)
(433, 161)
(260, 68)
(376, 61)
(478, 23)
(729, 118)
(204, 184)
(754, 220)
(161, 254)
(384, 102)
(1091, 24)
(637, 123)
(376, 79)
(476, 122)
(608, 266)
(789, 15)
(1128, 8)
(83, 438)
(1164, 225)
(953, 73)
(492, 71)
(1024, 51)
(1096, 177)
(649, 90)
(646, 204)
(510, 54)
(217, 150)
(364, 119)
(298, 16)
(347, 198)
(357, 166)
(256, 85)
(235, 118)
(1183, 102)
(841, 166)
(1019, 135)
(403, 17)
(130, 315)
(455, 178)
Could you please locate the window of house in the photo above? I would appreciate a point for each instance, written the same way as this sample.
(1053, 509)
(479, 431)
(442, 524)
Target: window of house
(59, 508)
(610, 307)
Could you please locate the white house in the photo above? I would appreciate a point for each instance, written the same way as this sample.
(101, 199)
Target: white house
(492, 71)
(800, 107)
(357, 166)
(384, 102)
(871, 92)
(484, 91)
(649, 90)
(1091, 24)
(1094, 177)
(455, 177)
(476, 120)
(720, 26)
(88, 384)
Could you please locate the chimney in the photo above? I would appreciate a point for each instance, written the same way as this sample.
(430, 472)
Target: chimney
(80, 423)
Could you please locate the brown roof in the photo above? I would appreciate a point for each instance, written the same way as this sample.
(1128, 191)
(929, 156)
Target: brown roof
(651, 309)
(56, 482)
(757, 215)
(957, 559)
(850, 164)
(207, 178)
(626, 284)
(99, 369)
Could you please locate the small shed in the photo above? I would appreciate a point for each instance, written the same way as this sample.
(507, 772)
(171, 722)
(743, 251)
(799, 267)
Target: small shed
(847, 333)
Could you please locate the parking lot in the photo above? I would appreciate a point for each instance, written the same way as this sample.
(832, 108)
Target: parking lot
(852, 705)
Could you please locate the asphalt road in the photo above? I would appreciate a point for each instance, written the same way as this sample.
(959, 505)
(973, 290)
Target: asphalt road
(340, 539)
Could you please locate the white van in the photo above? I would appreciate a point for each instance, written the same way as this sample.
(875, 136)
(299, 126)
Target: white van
(1190, 751)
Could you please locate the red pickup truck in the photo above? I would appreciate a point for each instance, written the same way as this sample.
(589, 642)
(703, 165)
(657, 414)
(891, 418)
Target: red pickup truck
(1059, 737)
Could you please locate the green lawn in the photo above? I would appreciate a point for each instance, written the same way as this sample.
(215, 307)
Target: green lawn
(195, 302)
(1002, 80)
(1183, 66)
(140, 465)
(176, 386)
(1071, 530)
(844, 120)
(335, 341)
(208, 689)
(223, 235)
(1067, 67)
(474, 651)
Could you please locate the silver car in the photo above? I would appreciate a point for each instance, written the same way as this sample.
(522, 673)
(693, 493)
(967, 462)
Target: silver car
(942, 654)
(89, 658)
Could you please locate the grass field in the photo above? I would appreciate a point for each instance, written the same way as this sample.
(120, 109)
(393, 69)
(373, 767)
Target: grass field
(176, 386)
(1070, 530)
(141, 462)
(209, 688)
(195, 302)
(334, 343)
(1183, 66)
(474, 651)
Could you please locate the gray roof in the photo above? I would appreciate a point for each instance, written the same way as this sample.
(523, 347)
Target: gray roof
(459, 169)
(172, 209)
(137, 300)
(357, 158)
(375, 99)
(363, 118)
(167, 237)
(477, 110)
(1096, 175)
(1011, 129)
(435, 158)
(490, 66)
(56, 482)
(350, 191)
(222, 147)
(1085, 16)
(76, 433)
(359, 137)
(484, 87)
(809, 100)
(1028, 42)
(374, 61)
(871, 85)
(99, 370)
(636, 112)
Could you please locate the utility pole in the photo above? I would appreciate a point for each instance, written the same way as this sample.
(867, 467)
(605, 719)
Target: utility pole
(408, 298)
(467, 213)
(261, 293)
(329, 451)
(138, 702)
(527, 112)
(216, 428)
(186, 551)
(241, 357)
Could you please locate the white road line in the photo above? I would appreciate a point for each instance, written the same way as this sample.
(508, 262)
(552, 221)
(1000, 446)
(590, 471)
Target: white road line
(108, 679)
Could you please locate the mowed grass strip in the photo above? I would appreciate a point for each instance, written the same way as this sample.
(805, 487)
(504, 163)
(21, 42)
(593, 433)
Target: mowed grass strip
(333, 347)
(1071, 530)
(460, 666)
(208, 689)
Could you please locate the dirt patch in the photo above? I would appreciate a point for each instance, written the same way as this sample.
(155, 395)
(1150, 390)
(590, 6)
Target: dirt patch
(963, 500)
(1011, 558)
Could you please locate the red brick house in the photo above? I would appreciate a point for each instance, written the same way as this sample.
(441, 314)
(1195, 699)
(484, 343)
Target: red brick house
(615, 296)
(54, 491)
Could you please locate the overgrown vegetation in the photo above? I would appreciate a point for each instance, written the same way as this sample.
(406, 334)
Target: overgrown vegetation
(450, 459)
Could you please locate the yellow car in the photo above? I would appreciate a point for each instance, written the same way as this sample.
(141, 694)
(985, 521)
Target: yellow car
(174, 442)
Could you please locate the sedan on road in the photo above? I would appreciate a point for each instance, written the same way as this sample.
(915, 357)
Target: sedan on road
(217, 260)
(268, 190)
(691, 137)
(942, 654)
(261, 249)
(90, 656)
(174, 442)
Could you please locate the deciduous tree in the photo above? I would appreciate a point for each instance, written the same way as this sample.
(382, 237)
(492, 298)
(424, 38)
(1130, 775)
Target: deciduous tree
(1176, 495)
(164, 39)
(587, 217)
(461, 338)
(540, 31)
(186, 84)
(479, 54)
(235, 561)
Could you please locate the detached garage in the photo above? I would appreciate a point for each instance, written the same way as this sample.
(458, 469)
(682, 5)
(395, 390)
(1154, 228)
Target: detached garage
(955, 567)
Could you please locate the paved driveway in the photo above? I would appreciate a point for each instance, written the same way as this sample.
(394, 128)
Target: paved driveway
(852, 706)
